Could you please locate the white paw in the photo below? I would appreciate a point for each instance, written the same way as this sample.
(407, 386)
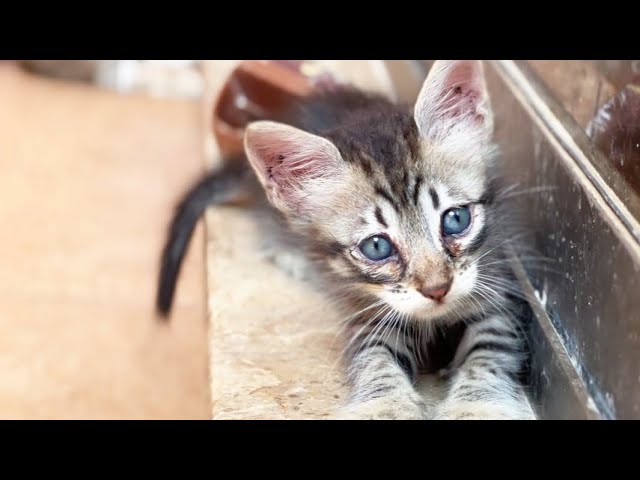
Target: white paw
(485, 411)
(381, 409)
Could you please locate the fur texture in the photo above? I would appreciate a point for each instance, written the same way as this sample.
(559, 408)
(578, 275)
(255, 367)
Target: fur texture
(347, 166)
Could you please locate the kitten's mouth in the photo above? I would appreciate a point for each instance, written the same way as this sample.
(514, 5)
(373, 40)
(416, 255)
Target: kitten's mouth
(423, 309)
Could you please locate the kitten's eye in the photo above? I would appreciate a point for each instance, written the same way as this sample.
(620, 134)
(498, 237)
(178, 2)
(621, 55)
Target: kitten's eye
(456, 220)
(376, 248)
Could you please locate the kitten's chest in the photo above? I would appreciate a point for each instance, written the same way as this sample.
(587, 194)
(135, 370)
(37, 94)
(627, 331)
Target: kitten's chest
(437, 351)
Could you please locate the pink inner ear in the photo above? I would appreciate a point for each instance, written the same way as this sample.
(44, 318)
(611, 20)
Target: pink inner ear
(454, 99)
(288, 167)
(462, 92)
(286, 159)
(287, 164)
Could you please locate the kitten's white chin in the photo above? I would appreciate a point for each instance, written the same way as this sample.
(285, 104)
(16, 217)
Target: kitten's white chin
(428, 310)
(415, 305)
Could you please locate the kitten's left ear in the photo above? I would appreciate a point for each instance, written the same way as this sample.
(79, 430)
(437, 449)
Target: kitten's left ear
(454, 99)
(298, 170)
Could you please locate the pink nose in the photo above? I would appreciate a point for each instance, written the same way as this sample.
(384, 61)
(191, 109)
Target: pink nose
(436, 293)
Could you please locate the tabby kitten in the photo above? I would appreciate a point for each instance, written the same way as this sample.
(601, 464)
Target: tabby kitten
(398, 213)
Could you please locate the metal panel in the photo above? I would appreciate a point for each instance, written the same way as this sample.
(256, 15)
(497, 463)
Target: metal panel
(592, 285)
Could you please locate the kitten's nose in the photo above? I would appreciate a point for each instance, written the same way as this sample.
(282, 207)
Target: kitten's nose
(437, 292)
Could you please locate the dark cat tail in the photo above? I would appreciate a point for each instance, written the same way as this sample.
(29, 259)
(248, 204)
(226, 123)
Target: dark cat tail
(226, 186)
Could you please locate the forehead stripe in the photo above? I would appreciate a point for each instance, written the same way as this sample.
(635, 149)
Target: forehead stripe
(434, 198)
(416, 190)
(384, 194)
(380, 217)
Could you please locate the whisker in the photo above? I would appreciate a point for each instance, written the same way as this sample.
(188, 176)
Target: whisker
(357, 334)
(527, 191)
(347, 323)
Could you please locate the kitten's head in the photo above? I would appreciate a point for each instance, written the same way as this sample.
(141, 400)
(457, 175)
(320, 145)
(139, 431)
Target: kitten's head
(396, 203)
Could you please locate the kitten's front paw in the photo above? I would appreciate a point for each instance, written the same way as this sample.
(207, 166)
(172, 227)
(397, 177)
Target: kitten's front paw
(485, 411)
(381, 409)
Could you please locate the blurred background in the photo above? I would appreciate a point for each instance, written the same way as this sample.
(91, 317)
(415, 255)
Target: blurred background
(93, 157)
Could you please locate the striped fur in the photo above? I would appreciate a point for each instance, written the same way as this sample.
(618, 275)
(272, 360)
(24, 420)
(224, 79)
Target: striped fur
(348, 165)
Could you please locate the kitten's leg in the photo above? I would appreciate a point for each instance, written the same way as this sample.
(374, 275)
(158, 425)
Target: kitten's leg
(292, 262)
(381, 374)
(484, 382)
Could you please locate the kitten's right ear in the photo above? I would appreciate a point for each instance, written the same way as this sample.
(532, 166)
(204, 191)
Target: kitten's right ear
(454, 99)
(298, 170)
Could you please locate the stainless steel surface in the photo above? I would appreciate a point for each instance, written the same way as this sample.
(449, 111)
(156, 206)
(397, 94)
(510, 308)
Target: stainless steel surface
(577, 221)
(556, 389)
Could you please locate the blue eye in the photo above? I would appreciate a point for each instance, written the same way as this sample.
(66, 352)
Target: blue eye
(456, 220)
(376, 248)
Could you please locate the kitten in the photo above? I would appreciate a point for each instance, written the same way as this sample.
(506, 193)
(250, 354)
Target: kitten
(398, 211)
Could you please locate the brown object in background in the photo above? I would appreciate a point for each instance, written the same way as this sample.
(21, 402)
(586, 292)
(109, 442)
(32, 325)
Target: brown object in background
(576, 84)
(254, 90)
(616, 132)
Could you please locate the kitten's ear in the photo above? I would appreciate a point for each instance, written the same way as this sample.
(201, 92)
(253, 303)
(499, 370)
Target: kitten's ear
(454, 99)
(296, 169)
